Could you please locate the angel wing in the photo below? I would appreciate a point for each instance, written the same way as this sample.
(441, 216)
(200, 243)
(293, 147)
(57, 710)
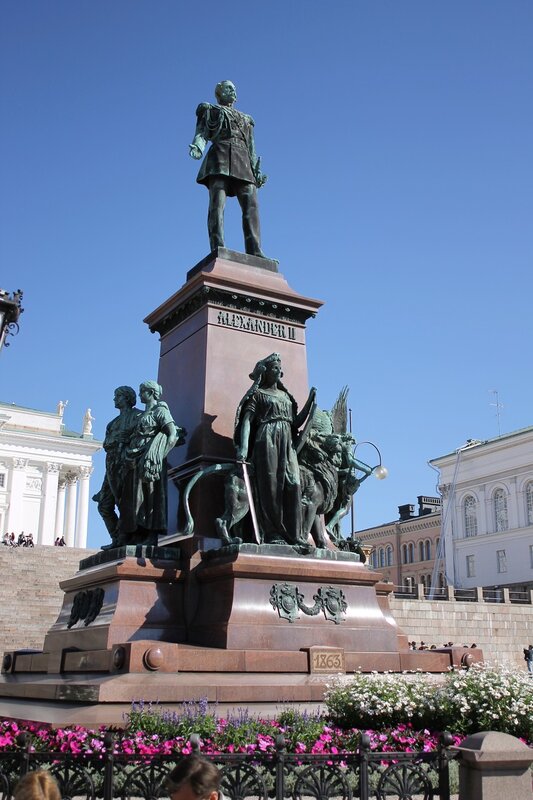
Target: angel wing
(339, 412)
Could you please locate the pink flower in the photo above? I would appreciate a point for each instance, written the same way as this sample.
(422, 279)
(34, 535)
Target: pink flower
(264, 742)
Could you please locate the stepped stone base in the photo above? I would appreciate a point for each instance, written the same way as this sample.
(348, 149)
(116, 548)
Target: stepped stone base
(258, 625)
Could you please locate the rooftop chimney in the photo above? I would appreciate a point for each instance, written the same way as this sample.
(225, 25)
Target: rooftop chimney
(406, 511)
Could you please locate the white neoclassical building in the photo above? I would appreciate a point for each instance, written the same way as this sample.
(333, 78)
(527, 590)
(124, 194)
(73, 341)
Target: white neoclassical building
(487, 514)
(45, 471)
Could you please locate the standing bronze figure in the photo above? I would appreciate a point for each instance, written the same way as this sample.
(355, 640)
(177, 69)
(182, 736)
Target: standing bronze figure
(231, 167)
(266, 427)
(117, 437)
(143, 505)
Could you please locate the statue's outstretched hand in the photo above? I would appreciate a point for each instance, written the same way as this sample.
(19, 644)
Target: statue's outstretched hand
(240, 455)
(195, 152)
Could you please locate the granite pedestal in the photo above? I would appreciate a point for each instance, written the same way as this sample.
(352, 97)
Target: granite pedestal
(253, 625)
(233, 310)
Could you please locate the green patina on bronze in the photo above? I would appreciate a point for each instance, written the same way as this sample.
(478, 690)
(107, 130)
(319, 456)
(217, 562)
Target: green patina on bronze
(266, 425)
(294, 474)
(137, 444)
(231, 167)
(117, 436)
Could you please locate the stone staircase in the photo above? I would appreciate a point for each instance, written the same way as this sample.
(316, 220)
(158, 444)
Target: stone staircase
(30, 595)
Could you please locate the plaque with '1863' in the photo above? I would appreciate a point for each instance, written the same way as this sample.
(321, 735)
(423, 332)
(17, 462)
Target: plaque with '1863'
(326, 660)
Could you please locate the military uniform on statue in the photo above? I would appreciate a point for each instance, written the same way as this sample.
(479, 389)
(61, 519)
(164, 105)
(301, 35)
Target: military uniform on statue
(231, 167)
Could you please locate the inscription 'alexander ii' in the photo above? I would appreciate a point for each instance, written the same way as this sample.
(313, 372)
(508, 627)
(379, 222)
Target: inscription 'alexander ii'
(256, 325)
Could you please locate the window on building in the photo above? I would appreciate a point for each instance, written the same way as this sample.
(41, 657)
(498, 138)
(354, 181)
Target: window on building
(442, 580)
(373, 559)
(529, 503)
(2, 480)
(470, 567)
(409, 584)
(427, 549)
(404, 554)
(501, 559)
(421, 555)
(411, 552)
(499, 500)
(390, 560)
(531, 556)
(470, 516)
(381, 556)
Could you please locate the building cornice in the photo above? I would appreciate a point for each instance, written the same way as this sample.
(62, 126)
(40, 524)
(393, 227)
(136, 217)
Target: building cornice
(486, 447)
(32, 440)
(405, 526)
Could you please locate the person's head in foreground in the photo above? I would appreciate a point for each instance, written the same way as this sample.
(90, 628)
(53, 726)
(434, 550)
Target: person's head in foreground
(193, 778)
(38, 785)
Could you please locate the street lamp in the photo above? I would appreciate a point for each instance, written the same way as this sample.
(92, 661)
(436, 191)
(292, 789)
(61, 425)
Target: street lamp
(10, 311)
(380, 473)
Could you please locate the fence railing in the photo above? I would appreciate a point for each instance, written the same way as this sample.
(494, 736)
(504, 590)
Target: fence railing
(473, 595)
(363, 774)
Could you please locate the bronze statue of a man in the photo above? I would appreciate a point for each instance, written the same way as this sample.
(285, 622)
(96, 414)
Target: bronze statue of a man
(117, 437)
(231, 167)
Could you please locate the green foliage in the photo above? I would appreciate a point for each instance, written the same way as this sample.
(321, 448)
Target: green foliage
(156, 721)
(300, 727)
(482, 698)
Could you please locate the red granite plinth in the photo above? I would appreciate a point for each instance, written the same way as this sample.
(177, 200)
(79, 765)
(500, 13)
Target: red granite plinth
(174, 630)
(142, 599)
(235, 608)
(233, 310)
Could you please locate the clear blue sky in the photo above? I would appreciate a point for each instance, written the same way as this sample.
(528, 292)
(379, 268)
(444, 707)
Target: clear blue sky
(398, 141)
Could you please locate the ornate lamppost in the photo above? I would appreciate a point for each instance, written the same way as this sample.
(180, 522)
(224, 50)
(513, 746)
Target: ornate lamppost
(10, 311)
(378, 471)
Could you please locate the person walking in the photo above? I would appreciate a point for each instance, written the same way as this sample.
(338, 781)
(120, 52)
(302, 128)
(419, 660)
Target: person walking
(528, 657)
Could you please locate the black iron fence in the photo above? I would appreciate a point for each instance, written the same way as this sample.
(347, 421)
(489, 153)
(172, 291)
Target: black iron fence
(280, 775)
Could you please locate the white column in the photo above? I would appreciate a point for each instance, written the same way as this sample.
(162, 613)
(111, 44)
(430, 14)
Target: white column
(60, 509)
(482, 518)
(70, 521)
(490, 526)
(16, 496)
(512, 504)
(83, 507)
(46, 533)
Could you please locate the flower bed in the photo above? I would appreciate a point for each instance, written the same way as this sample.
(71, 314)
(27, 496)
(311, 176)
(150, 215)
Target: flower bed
(245, 734)
(398, 712)
(481, 698)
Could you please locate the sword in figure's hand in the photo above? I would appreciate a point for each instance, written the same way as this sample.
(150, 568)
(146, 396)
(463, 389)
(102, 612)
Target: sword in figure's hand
(248, 485)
